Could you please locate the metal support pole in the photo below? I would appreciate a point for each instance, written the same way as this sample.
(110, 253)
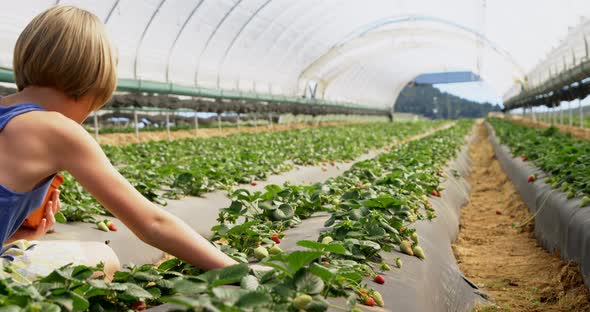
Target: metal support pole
(196, 124)
(136, 124)
(168, 125)
(581, 113)
(96, 126)
(256, 121)
(533, 114)
(561, 115)
(238, 121)
(270, 120)
(219, 121)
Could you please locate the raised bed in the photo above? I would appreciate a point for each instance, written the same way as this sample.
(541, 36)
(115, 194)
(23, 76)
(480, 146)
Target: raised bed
(561, 226)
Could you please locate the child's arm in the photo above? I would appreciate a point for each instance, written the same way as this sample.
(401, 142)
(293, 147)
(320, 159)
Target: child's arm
(78, 153)
(46, 224)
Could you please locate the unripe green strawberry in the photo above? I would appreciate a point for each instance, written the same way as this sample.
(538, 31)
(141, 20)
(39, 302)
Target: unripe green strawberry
(103, 227)
(418, 252)
(414, 237)
(378, 298)
(406, 248)
(275, 250)
(326, 240)
(301, 301)
(385, 266)
(398, 262)
(260, 253)
(355, 309)
(571, 194)
(585, 201)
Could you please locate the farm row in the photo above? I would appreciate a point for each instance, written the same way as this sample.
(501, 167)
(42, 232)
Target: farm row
(564, 158)
(373, 208)
(161, 170)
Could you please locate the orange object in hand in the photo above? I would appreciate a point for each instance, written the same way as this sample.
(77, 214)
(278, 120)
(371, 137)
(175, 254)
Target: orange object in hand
(34, 219)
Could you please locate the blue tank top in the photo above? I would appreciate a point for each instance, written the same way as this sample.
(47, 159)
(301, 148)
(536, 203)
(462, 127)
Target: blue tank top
(16, 206)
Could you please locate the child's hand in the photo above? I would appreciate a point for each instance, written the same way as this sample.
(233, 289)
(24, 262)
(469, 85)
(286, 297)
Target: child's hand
(47, 223)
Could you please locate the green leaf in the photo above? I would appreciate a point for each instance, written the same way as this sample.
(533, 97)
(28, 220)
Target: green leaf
(322, 272)
(41, 307)
(224, 276)
(253, 299)
(183, 286)
(80, 303)
(135, 291)
(249, 282)
(308, 283)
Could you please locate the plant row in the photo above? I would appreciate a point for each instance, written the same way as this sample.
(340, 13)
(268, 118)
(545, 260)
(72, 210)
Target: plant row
(373, 206)
(563, 157)
(161, 170)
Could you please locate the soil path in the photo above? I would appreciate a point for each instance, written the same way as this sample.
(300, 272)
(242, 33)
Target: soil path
(128, 138)
(506, 261)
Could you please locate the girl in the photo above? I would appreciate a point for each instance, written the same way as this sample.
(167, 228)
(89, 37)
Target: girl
(65, 68)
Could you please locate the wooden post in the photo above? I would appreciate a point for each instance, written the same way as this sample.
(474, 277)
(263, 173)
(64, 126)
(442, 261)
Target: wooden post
(96, 126)
(168, 125)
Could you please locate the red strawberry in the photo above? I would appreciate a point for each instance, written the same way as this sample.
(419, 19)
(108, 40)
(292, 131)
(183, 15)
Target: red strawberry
(274, 235)
(369, 301)
(332, 163)
(435, 193)
(110, 225)
(498, 212)
(276, 239)
(254, 183)
(138, 306)
(524, 157)
(531, 179)
(379, 279)
(360, 185)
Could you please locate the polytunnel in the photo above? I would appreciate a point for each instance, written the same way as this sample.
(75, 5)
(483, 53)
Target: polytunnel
(295, 155)
(347, 54)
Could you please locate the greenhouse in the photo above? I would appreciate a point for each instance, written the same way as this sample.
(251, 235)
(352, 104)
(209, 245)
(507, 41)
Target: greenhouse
(295, 155)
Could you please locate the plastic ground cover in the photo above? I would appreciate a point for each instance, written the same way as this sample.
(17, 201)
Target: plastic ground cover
(560, 225)
(435, 284)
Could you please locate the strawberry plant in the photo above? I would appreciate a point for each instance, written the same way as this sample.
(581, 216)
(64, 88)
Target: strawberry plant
(564, 158)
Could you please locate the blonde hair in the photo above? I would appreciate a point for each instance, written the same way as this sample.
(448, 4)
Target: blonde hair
(68, 49)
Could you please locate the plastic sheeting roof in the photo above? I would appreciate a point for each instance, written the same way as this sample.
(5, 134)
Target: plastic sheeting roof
(361, 52)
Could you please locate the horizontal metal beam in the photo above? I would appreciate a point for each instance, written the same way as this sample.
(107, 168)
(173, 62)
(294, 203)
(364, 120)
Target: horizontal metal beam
(146, 86)
(558, 88)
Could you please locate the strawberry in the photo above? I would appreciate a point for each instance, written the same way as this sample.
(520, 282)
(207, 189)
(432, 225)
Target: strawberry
(369, 301)
(363, 292)
(324, 169)
(532, 179)
(585, 201)
(138, 306)
(406, 248)
(111, 225)
(327, 239)
(103, 227)
(379, 279)
(498, 212)
(275, 250)
(301, 301)
(414, 237)
(435, 193)
(254, 183)
(332, 164)
(385, 266)
(398, 262)
(418, 252)
(378, 298)
(260, 253)
(524, 157)
(274, 235)
(276, 239)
